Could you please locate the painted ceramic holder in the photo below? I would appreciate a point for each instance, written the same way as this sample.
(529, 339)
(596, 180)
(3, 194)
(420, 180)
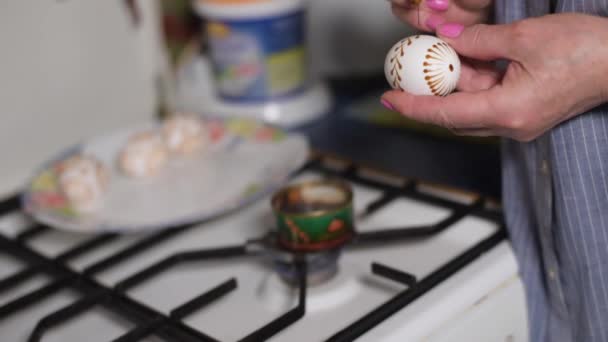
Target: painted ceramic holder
(314, 215)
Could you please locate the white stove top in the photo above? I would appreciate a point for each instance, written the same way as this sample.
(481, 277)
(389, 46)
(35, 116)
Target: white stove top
(261, 296)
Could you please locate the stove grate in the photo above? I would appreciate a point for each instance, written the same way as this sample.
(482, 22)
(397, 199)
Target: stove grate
(170, 327)
(414, 290)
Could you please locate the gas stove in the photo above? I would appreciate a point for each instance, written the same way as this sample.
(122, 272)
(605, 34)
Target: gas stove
(426, 264)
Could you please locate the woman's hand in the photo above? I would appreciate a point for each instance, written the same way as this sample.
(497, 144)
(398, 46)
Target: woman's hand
(558, 69)
(429, 14)
(451, 17)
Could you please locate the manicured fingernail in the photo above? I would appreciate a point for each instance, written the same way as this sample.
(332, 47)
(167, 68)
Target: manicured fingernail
(438, 5)
(450, 30)
(433, 21)
(387, 104)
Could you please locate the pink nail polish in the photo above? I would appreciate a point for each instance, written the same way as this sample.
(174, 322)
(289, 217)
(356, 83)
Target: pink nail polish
(433, 21)
(450, 30)
(387, 104)
(438, 5)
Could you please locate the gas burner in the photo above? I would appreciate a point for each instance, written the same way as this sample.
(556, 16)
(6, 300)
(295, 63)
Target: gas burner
(321, 266)
(279, 294)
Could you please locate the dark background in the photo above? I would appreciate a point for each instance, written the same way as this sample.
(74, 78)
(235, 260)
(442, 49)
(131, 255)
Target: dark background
(453, 161)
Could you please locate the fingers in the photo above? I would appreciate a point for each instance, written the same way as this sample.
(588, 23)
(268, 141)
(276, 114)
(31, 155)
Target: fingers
(456, 111)
(421, 18)
(438, 5)
(474, 5)
(475, 76)
(482, 42)
(474, 132)
(424, 15)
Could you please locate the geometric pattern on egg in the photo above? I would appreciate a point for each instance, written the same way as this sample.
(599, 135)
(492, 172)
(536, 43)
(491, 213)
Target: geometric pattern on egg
(422, 65)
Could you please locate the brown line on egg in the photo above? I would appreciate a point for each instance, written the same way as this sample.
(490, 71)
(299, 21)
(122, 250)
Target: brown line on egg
(436, 81)
(396, 73)
(432, 57)
(442, 51)
(396, 66)
(436, 52)
(442, 88)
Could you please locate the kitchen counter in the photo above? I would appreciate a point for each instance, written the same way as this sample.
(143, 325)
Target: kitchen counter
(473, 166)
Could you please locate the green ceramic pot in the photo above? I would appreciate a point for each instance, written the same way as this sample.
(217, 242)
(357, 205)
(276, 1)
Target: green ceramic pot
(314, 216)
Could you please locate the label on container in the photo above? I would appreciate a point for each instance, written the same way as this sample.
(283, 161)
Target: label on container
(258, 60)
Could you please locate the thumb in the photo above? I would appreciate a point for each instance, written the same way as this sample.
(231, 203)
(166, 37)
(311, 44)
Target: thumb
(481, 42)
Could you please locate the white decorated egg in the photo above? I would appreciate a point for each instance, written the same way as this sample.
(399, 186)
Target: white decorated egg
(83, 181)
(144, 154)
(422, 65)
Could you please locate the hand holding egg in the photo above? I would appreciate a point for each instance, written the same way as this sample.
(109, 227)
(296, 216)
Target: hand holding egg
(422, 65)
(529, 96)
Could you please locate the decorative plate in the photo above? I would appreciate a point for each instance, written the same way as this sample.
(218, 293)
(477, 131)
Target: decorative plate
(245, 161)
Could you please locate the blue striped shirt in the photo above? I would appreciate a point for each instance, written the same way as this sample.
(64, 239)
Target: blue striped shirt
(555, 193)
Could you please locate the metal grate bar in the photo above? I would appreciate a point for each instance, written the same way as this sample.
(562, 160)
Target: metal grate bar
(9, 204)
(17, 278)
(396, 234)
(394, 274)
(402, 299)
(64, 314)
(141, 332)
(374, 206)
(178, 313)
(172, 260)
(293, 315)
(172, 330)
(136, 248)
(204, 299)
(31, 232)
(33, 297)
(126, 307)
(435, 200)
(86, 246)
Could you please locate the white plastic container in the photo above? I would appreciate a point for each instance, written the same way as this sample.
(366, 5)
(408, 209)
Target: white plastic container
(246, 9)
(257, 65)
(257, 48)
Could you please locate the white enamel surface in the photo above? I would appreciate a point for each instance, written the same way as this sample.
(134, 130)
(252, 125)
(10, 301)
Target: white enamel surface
(186, 189)
(71, 69)
(498, 315)
(195, 92)
(422, 65)
(485, 292)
